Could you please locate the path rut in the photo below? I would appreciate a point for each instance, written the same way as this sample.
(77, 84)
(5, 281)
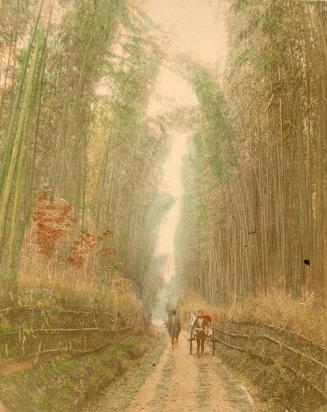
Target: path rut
(180, 382)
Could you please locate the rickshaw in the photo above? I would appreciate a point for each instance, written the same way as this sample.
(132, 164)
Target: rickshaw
(210, 333)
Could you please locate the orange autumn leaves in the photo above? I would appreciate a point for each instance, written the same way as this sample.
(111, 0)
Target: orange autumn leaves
(86, 245)
(54, 222)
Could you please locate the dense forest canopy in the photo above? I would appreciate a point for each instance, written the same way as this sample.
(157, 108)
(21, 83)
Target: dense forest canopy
(253, 221)
(81, 160)
(163, 162)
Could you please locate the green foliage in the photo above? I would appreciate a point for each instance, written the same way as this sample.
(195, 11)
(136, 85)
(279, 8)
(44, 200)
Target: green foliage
(251, 187)
(75, 123)
(214, 132)
(65, 383)
(240, 4)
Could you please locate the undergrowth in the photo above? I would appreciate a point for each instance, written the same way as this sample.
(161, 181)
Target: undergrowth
(301, 317)
(273, 387)
(65, 383)
(68, 289)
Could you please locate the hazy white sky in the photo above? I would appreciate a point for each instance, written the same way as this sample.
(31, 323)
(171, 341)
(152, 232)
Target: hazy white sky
(172, 183)
(195, 28)
(195, 25)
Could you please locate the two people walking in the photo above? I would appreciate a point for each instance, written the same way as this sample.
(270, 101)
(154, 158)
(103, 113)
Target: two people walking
(199, 329)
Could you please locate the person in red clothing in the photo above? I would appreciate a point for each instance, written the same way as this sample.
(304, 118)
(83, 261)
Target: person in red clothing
(199, 329)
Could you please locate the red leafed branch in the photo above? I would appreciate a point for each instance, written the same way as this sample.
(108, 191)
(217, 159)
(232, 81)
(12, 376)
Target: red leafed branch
(86, 245)
(53, 220)
(78, 255)
(81, 249)
(107, 251)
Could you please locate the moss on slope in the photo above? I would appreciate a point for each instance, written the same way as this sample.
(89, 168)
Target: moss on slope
(65, 383)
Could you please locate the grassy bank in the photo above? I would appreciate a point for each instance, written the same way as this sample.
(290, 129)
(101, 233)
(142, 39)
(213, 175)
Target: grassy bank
(66, 383)
(302, 317)
(118, 395)
(271, 383)
(273, 387)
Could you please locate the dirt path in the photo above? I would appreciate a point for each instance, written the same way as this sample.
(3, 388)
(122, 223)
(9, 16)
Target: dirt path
(145, 395)
(180, 382)
(8, 367)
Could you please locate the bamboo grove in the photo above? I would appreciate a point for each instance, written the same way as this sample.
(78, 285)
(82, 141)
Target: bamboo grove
(80, 161)
(254, 211)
